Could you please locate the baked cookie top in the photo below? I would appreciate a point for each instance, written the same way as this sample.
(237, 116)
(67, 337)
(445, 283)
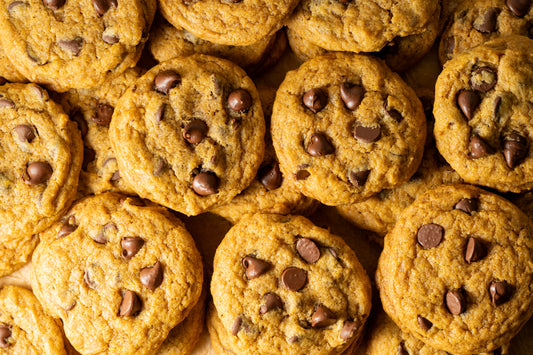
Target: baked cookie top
(456, 270)
(189, 134)
(345, 127)
(119, 272)
(483, 114)
(282, 285)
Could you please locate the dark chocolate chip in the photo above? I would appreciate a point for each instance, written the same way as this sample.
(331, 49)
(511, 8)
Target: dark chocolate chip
(519, 7)
(358, 178)
(394, 114)
(6, 103)
(424, 323)
(272, 301)
(333, 253)
(82, 124)
(131, 304)
(483, 79)
(293, 278)
(322, 317)
(102, 237)
(110, 38)
(456, 301)
(515, 149)
(302, 174)
(160, 113)
(236, 326)
(166, 80)
(401, 350)
(254, 267)
(315, 100)
(5, 332)
(308, 250)
(478, 147)
(195, 131)
(152, 277)
(2, 80)
(103, 114)
(131, 246)
(25, 133)
(367, 134)
(500, 292)
(68, 227)
(293, 339)
(352, 95)
(475, 250)
(348, 330)
(319, 145)
(430, 235)
(90, 283)
(102, 6)
(73, 46)
(38, 173)
(270, 176)
(205, 183)
(88, 157)
(468, 101)
(489, 21)
(54, 4)
(467, 205)
(240, 100)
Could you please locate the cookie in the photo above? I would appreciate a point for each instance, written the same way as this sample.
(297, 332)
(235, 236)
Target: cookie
(235, 22)
(281, 284)
(24, 327)
(362, 26)
(7, 71)
(119, 272)
(39, 167)
(92, 110)
(189, 134)
(345, 127)
(73, 44)
(269, 192)
(482, 114)
(476, 22)
(456, 270)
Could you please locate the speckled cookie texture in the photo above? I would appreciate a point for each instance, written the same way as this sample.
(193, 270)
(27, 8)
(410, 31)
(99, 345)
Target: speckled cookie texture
(483, 114)
(24, 327)
(74, 44)
(361, 26)
(281, 285)
(40, 160)
(119, 272)
(8, 71)
(190, 133)
(476, 22)
(456, 270)
(92, 110)
(345, 127)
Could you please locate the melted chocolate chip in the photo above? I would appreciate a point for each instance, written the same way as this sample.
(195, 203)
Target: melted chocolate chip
(38, 173)
(468, 101)
(430, 235)
(319, 145)
(315, 100)
(5, 332)
(240, 100)
(103, 114)
(254, 267)
(475, 250)
(348, 330)
(358, 178)
(367, 134)
(483, 79)
(270, 176)
(519, 7)
(479, 148)
(467, 205)
(152, 277)
(101, 237)
(54, 4)
(515, 149)
(302, 174)
(102, 6)
(195, 131)
(166, 80)
(205, 183)
(68, 227)
(24, 133)
(73, 46)
(293, 278)
(455, 301)
(131, 246)
(352, 95)
(272, 301)
(489, 22)
(424, 323)
(500, 292)
(308, 250)
(131, 304)
(322, 317)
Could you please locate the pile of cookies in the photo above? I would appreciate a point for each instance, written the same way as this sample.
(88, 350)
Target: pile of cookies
(122, 120)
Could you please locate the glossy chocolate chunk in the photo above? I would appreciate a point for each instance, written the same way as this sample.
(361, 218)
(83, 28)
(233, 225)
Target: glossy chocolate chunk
(270, 176)
(5, 332)
(25, 133)
(73, 46)
(483, 79)
(152, 277)
(254, 267)
(475, 250)
(430, 235)
(467, 205)
(54, 4)
(6, 103)
(479, 148)
(68, 227)
(358, 178)
(500, 292)
(205, 183)
(131, 246)
(102, 6)
(366, 134)
(302, 174)
(195, 131)
(489, 22)
(272, 301)
(102, 236)
(322, 317)
(351, 95)
(240, 100)
(424, 323)
(131, 304)
(348, 330)
(519, 7)
(468, 101)
(294, 279)
(38, 172)
(103, 114)
(236, 326)
(319, 145)
(166, 80)
(455, 301)
(308, 250)
(315, 100)
(515, 149)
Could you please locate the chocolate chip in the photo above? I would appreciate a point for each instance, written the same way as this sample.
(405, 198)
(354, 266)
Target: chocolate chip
(14, 4)
(489, 21)
(519, 7)
(455, 301)
(483, 79)
(401, 350)
(90, 283)
(367, 134)
(450, 46)
(152, 277)
(430, 235)
(348, 330)
(394, 114)
(424, 323)
(270, 176)
(205, 183)
(515, 149)
(293, 339)
(101, 237)
(82, 124)
(195, 131)
(159, 166)
(467, 205)
(103, 114)
(293, 278)
(160, 113)
(6, 103)
(333, 253)
(352, 95)
(102, 6)
(2, 80)
(308, 250)
(319, 145)
(240, 100)
(236, 326)
(475, 250)
(500, 292)
(272, 301)
(24, 133)
(166, 80)
(302, 174)
(110, 38)
(131, 304)
(322, 317)
(131, 246)
(315, 100)
(88, 157)
(38, 173)
(72, 45)
(478, 147)
(5, 332)
(358, 178)
(468, 101)
(254, 267)
(68, 227)
(54, 4)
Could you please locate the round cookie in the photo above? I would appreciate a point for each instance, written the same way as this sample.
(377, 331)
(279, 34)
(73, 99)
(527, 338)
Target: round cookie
(478, 21)
(41, 156)
(362, 26)
(92, 110)
(236, 22)
(282, 285)
(120, 273)
(74, 44)
(482, 114)
(24, 326)
(456, 270)
(345, 127)
(189, 134)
